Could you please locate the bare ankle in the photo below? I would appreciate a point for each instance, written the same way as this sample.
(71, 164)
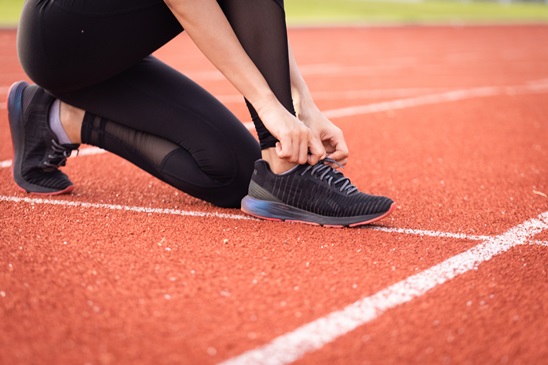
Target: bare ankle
(71, 120)
(277, 165)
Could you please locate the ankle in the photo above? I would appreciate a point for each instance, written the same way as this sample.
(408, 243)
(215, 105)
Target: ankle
(277, 165)
(71, 121)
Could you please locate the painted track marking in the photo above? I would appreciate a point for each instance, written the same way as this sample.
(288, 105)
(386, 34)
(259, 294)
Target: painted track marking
(313, 336)
(69, 203)
(444, 97)
(88, 151)
(189, 213)
(414, 231)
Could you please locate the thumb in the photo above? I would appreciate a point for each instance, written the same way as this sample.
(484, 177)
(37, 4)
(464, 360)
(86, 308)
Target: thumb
(316, 151)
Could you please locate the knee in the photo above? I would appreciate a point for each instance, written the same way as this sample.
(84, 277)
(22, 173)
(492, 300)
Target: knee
(230, 194)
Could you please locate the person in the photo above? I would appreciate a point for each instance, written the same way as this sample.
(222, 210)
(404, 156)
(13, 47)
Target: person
(97, 82)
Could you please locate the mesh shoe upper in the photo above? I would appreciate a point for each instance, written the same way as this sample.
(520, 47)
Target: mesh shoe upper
(319, 189)
(37, 154)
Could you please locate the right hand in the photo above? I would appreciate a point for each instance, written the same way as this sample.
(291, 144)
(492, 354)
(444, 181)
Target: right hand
(297, 143)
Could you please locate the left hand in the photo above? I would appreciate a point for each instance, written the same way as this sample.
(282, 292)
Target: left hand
(328, 133)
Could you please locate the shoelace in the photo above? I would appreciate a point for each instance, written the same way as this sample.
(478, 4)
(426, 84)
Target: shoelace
(58, 156)
(330, 175)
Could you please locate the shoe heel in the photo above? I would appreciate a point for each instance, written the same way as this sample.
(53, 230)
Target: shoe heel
(15, 113)
(15, 98)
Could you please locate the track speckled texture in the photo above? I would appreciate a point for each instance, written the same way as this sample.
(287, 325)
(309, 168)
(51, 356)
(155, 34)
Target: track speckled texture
(95, 278)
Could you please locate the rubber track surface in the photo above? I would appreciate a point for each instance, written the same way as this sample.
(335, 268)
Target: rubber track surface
(450, 122)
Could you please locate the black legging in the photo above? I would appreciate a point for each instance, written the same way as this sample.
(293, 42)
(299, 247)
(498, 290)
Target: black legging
(96, 55)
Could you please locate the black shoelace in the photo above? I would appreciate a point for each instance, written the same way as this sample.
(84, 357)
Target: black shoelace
(331, 176)
(58, 156)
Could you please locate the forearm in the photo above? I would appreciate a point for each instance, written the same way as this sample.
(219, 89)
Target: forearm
(209, 29)
(207, 25)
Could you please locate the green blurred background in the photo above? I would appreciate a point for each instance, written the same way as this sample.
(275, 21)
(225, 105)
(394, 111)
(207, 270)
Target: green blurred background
(314, 12)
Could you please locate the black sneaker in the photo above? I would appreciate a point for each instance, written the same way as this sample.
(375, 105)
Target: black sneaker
(37, 155)
(316, 194)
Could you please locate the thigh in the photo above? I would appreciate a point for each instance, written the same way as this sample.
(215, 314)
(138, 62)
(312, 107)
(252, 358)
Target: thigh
(67, 45)
(154, 98)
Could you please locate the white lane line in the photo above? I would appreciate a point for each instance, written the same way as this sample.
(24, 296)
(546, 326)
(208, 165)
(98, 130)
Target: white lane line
(444, 97)
(540, 243)
(150, 210)
(88, 151)
(313, 336)
(438, 98)
(127, 208)
(420, 232)
(438, 234)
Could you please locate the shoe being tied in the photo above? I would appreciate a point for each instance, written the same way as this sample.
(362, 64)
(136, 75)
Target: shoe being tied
(37, 154)
(316, 194)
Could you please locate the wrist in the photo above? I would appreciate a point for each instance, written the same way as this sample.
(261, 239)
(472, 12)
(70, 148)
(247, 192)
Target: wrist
(302, 100)
(265, 103)
(306, 110)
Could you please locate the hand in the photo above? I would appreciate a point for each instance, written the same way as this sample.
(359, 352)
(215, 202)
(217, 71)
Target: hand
(328, 133)
(297, 142)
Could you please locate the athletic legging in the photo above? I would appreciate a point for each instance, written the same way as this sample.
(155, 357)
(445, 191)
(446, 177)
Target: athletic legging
(96, 55)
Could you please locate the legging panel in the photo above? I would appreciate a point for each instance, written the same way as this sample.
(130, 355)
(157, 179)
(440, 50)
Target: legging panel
(95, 55)
(179, 132)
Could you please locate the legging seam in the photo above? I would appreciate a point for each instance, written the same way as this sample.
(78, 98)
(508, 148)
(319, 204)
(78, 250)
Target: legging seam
(189, 112)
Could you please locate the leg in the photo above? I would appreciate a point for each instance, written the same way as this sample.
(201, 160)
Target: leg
(68, 45)
(313, 194)
(172, 128)
(261, 29)
(163, 122)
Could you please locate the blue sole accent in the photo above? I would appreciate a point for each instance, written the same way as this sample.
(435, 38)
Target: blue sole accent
(281, 212)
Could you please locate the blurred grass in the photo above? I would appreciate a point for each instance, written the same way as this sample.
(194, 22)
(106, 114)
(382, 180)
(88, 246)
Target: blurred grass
(414, 12)
(9, 11)
(314, 12)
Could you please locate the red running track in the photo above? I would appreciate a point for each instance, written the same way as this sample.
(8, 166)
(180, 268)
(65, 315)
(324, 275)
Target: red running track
(451, 122)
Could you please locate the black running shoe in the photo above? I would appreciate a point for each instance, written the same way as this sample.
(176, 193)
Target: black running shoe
(37, 155)
(316, 194)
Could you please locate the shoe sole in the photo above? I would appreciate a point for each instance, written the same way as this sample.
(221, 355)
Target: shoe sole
(14, 104)
(274, 211)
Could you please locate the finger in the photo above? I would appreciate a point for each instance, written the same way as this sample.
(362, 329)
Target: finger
(296, 155)
(278, 149)
(339, 156)
(341, 148)
(284, 148)
(340, 152)
(303, 151)
(317, 151)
